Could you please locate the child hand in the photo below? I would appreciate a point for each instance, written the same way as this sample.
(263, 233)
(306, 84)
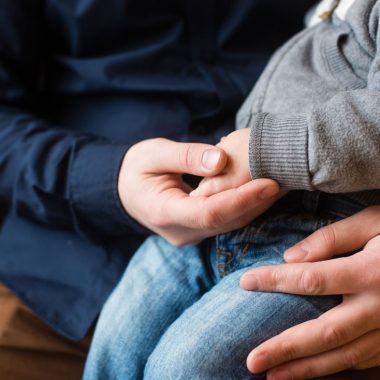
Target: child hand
(236, 172)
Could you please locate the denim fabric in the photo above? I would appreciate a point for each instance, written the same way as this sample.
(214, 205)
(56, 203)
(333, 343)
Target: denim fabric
(179, 313)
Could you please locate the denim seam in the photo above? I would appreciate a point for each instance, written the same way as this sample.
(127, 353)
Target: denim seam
(242, 255)
(222, 266)
(242, 251)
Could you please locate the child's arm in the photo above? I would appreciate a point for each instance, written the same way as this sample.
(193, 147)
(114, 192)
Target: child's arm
(334, 146)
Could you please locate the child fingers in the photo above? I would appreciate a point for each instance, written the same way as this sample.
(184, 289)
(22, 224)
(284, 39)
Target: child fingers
(211, 186)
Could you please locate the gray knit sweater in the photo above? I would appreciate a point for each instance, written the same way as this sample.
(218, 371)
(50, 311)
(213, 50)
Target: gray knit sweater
(315, 113)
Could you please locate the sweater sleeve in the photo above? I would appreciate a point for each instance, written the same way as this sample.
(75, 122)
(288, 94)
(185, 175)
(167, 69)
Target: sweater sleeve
(47, 173)
(335, 147)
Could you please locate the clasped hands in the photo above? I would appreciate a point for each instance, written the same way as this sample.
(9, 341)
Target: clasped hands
(152, 191)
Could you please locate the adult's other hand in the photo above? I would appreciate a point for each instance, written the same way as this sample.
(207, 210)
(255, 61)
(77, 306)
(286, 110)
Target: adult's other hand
(347, 336)
(153, 192)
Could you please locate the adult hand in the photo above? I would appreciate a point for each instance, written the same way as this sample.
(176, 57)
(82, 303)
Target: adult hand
(347, 336)
(152, 191)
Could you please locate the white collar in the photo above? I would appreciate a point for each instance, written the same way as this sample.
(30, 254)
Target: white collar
(326, 6)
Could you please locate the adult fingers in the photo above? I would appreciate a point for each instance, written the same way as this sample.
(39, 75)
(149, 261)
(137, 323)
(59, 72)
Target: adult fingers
(182, 219)
(341, 237)
(217, 211)
(248, 214)
(337, 276)
(229, 205)
(166, 156)
(337, 327)
(342, 358)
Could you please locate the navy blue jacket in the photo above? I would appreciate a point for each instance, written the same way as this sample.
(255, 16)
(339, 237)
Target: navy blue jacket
(81, 80)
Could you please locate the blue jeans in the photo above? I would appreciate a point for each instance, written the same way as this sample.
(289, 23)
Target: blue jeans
(179, 313)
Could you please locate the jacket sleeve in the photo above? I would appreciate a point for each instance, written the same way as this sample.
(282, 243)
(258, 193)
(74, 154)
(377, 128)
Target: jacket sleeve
(47, 173)
(333, 148)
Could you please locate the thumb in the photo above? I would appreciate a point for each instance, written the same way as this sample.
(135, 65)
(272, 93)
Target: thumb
(191, 158)
(338, 238)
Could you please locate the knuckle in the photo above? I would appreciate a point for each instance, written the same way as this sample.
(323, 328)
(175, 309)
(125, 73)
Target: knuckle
(288, 351)
(211, 220)
(328, 236)
(308, 372)
(311, 282)
(352, 357)
(332, 336)
(275, 278)
(186, 156)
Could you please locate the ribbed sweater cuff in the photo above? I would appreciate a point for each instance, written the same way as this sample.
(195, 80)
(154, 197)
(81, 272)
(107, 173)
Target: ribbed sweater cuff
(278, 149)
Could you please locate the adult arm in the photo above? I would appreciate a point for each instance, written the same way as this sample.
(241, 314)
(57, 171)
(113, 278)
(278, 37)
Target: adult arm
(347, 336)
(49, 174)
(68, 180)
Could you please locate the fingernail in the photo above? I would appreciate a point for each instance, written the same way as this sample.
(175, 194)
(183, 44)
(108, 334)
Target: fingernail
(297, 253)
(258, 362)
(282, 374)
(269, 192)
(249, 282)
(210, 159)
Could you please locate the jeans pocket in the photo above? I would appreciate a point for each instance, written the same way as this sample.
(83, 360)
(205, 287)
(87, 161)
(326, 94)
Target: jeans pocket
(264, 241)
(251, 244)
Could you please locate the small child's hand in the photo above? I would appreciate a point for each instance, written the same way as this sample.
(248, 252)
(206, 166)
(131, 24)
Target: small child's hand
(236, 172)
